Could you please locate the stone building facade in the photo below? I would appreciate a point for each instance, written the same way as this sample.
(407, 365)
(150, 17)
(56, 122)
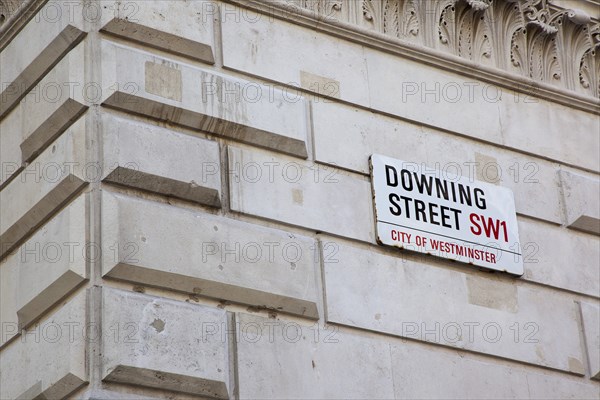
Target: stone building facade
(187, 208)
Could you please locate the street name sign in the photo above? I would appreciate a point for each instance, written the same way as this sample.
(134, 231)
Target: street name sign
(436, 212)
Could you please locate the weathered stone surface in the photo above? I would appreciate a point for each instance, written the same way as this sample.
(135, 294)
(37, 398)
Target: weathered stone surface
(160, 116)
(111, 395)
(67, 113)
(428, 95)
(48, 361)
(9, 276)
(148, 341)
(591, 329)
(59, 26)
(484, 111)
(43, 187)
(553, 130)
(186, 29)
(301, 194)
(582, 201)
(160, 40)
(559, 257)
(458, 375)
(53, 105)
(44, 269)
(371, 133)
(339, 70)
(529, 179)
(407, 89)
(281, 359)
(438, 305)
(123, 393)
(247, 111)
(549, 387)
(216, 256)
(161, 161)
(462, 376)
(30, 74)
(10, 151)
(448, 101)
(49, 34)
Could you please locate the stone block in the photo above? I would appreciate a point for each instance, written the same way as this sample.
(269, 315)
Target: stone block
(405, 88)
(559, 257)
(48, 32)
(477, 312)
(299, 193)
(431, 96)
(542, 386)
(581, 201)
(160, 40)
(464, 376)
(162, 161)
(281, 359)
(53, 105)
(247, 111)
(551, 130)
(47, 267)
(35, 51)
(122, 393)
(214, 256)
(48, 361)
(294, 55)
(60, 26)
(161, 343)
(44, 187)
(9, 278)
(457, 376)
(187, 31)
(590, 314)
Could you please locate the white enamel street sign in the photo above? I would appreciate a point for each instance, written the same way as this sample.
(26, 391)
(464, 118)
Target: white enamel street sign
(445, 215)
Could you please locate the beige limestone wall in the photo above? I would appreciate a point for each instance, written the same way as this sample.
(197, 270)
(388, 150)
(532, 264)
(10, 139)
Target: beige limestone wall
(187, 211)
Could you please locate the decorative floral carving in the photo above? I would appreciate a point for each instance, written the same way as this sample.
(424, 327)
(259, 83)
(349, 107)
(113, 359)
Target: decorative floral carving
(373, 14)
(516, 52)
(573, 40)
(401, 18)
(478, 5)
(538, 14)
(411, 20)
(531, 37)
(462, 27)
(446, 21)
(589, 65)
(325, 8)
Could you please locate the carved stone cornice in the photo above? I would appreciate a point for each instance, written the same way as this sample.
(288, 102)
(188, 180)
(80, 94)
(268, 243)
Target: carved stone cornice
(527, 45)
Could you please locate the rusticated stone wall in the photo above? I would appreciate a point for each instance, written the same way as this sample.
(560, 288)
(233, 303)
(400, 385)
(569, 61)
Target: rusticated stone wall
(186, 208)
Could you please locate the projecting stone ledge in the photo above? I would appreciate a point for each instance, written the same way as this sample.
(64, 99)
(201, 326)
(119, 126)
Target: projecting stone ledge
(153, 343)
(465, 299)
(42, 188)
(39, 119)
(159, 40)
(581, 201)
(590, 314)
(54, 352)
(162, 161)
(40, 66)
(216, 257)
(250, 112)
(65, 115)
